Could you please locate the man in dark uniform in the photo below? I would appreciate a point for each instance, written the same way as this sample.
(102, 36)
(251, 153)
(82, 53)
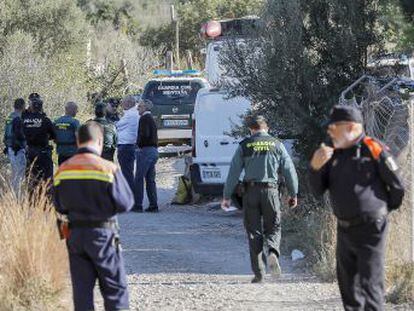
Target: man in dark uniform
(262, 157)
(100, 191)
(112, 110)
(110, 136)
(146, 159)
(65, 128)
(363, 183)
(15, 144)
(38, 130)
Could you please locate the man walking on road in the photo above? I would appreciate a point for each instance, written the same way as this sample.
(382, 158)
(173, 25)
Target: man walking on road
(15, 144)
(127, 128)
(65, 128)
(147, 157)
(91, 191)
(363, 183)
(261, 156)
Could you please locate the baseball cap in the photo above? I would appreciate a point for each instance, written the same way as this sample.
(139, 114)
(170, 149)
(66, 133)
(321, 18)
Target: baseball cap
(345, 113)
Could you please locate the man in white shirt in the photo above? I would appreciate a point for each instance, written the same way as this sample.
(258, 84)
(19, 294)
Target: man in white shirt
(127, 128)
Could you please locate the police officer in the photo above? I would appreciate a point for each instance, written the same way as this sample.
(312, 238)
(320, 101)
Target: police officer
(38, 130)
(112, 110)
(65, 128)
(261, 156)
(101, 192)
(15, 144)
(363, 183)
(110, 135)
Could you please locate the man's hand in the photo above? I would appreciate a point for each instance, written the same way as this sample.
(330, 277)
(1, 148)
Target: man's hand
(293, 202)
(321, 156)
(225, 203)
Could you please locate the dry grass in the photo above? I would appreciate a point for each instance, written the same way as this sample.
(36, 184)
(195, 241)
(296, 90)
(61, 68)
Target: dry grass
(399, 268)
(33, 262)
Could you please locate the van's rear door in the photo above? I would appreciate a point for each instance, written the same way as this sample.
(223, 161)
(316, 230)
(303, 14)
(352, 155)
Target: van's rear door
(215, 117)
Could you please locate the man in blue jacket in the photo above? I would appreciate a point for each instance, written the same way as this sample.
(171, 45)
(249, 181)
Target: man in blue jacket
(90, 191)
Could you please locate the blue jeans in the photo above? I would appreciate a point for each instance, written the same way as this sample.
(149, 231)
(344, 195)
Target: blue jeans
(147, 157)
(18, 165)
(126, 159)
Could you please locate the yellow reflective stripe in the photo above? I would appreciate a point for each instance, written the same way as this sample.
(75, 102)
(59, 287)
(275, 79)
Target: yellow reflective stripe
(83, 175)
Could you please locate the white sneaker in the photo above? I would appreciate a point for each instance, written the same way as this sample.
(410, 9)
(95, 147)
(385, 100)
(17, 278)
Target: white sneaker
(273, 264)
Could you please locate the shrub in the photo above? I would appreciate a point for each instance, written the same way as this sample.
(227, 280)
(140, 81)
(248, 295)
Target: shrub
(33, 262)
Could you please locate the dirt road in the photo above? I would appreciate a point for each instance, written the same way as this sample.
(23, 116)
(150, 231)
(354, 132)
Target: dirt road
(195, 258)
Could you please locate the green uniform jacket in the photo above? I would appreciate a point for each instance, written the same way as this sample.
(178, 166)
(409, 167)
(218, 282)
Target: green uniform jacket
(65, 129)
(262, 157)
(110, 136)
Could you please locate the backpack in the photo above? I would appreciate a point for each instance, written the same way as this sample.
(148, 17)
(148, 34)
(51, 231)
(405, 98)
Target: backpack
(183, 194)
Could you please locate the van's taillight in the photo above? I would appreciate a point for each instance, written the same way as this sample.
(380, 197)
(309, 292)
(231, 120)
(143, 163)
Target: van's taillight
(193, 139)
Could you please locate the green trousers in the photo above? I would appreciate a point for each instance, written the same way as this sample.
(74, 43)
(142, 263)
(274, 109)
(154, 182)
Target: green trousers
(262, 222)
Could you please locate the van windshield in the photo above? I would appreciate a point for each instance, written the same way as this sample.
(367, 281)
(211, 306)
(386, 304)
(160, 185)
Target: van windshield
(172, 92)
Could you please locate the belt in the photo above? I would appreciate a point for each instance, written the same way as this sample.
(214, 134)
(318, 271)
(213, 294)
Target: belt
(363, 219)
(111, 224)
(264, 185)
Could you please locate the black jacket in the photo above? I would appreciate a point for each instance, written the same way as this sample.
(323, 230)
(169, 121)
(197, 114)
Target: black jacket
(147, 132)
(87, 187)
(38, 129)
(360, 179)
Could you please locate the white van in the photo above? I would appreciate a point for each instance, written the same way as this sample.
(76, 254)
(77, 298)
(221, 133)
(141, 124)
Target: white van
(213, 147)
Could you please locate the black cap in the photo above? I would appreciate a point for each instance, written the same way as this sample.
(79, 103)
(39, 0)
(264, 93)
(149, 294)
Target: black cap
(37, 104)
(33, 96)
(100, 109)
(255, 121)
(345, 113)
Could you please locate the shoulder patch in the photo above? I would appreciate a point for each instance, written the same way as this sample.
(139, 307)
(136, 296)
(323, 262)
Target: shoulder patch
(374, 147)
(88, 161)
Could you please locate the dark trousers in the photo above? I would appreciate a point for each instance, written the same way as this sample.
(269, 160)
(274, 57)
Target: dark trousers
(147, 157)
(94, 255)
(108, 154)
(360, 265)
(63, 157)
(262, 222)
(126, 158)
(39, 165)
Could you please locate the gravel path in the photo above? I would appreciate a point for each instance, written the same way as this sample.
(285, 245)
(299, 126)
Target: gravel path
(196, 258)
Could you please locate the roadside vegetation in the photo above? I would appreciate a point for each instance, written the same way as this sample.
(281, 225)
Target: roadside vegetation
(33, 261)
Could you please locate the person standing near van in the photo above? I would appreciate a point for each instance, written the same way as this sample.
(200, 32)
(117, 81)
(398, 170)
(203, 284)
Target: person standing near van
(15, 144)
(65, 128)
(110, 136)
(127, 130)
(147, 157)
(261, 156)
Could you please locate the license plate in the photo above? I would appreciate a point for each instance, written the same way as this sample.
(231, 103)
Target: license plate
(175, 122)
(212, 174)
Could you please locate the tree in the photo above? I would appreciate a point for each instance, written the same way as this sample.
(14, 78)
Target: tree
(398, 23)
(55, 25)
(120, 13)
(191, 14)
(307, 52)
